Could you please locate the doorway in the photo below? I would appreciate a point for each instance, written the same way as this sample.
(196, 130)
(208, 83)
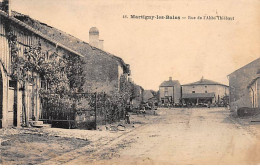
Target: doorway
(12, 104)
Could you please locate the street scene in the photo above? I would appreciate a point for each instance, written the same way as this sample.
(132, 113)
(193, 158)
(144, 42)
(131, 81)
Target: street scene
(129, 83)
(172, 136)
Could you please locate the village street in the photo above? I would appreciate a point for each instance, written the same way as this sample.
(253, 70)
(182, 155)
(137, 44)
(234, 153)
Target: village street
(173, 136)
(187, 136)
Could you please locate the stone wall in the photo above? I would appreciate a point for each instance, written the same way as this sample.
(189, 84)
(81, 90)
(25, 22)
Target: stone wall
(238, 85)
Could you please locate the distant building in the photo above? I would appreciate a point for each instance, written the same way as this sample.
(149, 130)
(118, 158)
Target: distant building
(137, 96)
(170, 91)
(204, 91)
(244, 86)
(147, 95)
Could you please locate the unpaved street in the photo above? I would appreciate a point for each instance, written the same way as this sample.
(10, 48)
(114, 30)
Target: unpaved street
(183, 136)
(173, 136)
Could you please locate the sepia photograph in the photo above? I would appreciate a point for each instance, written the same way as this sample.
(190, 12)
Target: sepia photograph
(129, 82)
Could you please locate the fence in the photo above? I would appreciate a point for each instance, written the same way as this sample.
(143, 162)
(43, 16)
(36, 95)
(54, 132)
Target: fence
(86, 112)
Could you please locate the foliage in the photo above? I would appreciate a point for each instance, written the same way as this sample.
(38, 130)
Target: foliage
(60, 76)
(62, 81)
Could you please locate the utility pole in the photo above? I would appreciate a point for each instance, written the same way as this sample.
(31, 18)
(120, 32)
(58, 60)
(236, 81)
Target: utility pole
(105, 107)
(95, 110)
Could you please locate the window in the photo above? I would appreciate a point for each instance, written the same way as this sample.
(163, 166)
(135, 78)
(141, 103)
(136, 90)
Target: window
(206, 91)
(193, 91)
(166, 93)
(205, 86)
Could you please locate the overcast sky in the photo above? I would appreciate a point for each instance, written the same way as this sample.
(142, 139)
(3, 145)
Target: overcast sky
(157, 49)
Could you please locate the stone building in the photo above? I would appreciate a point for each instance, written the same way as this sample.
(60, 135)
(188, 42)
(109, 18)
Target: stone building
(170, 92)
(204, 91)
(244, 86)
(147, 95)
(103, 71)
(13, 93)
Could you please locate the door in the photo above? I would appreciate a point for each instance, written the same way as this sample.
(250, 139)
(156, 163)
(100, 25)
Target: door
(11, 109)
(12, 104)
(31, 102)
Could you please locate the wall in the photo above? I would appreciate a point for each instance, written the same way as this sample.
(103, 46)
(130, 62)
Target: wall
(4, 68)
(170, 92)
(254, 93)
(238, 83)
(177, 93)
(101, 71)
(219, 90)
(24, 38)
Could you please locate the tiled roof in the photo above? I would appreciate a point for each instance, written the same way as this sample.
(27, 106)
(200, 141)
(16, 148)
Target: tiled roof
(247, 65)
(169, 83)
(204, 82)
(198, 95)
(59, 37)
(17, 21)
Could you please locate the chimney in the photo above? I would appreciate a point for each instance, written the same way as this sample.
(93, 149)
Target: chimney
(101, 44)
(202, 78)
(6, 6)
(94, 37)
(170, 78)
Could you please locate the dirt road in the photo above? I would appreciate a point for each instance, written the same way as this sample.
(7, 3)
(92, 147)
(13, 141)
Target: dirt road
(182, 136)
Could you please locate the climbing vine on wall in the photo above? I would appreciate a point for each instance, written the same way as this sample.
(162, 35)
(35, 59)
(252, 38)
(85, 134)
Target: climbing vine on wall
(60, 76)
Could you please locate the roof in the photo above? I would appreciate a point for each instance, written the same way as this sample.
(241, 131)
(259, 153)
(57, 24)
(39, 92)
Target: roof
(198, 95)
(169, 83)
(38, 33)
(147, 95)
(204, 82)
(58, 37)
(247, 65)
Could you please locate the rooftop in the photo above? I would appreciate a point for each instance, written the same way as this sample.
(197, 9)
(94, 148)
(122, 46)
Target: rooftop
(203, 81)
(169, 83)
(247, 65)
(59, 37)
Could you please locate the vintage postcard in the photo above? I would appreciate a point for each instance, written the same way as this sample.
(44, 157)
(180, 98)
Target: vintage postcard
(129, 82)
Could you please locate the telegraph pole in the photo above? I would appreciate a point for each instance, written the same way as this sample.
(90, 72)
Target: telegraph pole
(95, 110)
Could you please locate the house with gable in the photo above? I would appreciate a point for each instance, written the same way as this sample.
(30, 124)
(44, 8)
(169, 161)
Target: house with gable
(102, 71)
(204, 91)
(244, 86)
(170, 92)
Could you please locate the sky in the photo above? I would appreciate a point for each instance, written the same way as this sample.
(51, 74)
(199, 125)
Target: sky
(156, 49)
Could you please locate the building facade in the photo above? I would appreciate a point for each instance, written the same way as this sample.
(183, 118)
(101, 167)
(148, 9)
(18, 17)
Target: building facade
(103, 71)
(244, 86)
(13, 92)
(170, 92)
(254, 89)
(204, 91)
